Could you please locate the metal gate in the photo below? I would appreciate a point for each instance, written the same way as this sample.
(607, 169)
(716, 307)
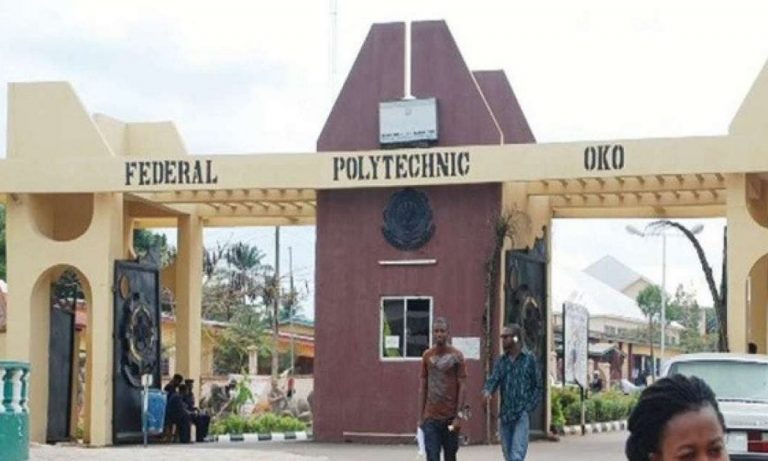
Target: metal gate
(137, 344)
(525, 294)
(60, 365)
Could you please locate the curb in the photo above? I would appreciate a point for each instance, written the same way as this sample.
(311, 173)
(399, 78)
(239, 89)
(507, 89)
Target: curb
(272, 437)
(596, 428)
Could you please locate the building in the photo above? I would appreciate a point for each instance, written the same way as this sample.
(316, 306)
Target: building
(617, 326)
(445, 216)
(618, 276)
(377, 296)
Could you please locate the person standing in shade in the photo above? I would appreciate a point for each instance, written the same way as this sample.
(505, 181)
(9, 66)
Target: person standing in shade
(441, 395)
(516, 376)
(176, 413)
(173, 384)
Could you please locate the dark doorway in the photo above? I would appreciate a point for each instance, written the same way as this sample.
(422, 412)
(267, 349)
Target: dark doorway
(61, 349)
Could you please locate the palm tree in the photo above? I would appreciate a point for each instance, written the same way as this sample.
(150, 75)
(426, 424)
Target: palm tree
(245, 262)
(718, 298)
(245, 267)
(211, 258)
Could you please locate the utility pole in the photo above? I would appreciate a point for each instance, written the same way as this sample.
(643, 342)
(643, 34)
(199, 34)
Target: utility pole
(276, 307)
(291, 310)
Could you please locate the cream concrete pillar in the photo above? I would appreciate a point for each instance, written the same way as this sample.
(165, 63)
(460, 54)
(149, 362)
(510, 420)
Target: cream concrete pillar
(189, 278)
(747, 242)
(172, 361)
(253, 360)
(41, 241)
(108, 223)
(128, 227)
(758, 298)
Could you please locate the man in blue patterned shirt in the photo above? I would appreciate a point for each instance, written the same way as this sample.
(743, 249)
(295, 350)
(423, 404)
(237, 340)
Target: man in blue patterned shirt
(515, 374)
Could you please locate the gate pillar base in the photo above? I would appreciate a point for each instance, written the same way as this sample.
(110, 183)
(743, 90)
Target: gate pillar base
(14, 412)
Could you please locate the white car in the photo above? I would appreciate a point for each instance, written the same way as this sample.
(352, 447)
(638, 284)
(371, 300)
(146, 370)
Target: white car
(740, 383)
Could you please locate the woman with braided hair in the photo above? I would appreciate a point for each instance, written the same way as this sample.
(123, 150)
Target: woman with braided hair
(677, 418)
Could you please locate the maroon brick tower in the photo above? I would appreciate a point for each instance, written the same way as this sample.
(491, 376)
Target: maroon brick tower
(360, 391)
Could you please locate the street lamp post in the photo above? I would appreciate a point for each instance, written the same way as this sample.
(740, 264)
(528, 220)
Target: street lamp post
(633, 230)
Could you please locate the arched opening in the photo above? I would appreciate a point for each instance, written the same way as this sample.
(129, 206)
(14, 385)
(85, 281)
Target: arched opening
(757, 305)
(62, 217)
(757, 197)
(60, 300)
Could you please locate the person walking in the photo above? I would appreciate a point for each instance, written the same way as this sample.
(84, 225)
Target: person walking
(441, 395)
(516, 375)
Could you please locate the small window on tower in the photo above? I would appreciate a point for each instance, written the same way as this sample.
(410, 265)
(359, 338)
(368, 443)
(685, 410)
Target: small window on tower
(406, 326)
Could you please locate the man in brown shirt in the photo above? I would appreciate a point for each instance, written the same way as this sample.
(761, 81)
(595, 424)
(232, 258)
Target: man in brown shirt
(441, 395)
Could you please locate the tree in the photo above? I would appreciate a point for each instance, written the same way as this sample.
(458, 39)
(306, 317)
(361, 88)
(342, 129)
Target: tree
(649, 301)
(718, 298)
(154, 246)
(234, 343)
(236, 289)
(244, 264)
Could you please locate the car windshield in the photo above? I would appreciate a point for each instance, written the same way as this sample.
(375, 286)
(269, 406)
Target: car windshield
(729, 379)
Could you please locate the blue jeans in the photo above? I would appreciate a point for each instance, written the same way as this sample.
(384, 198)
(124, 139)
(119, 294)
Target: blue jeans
(514, 438)
(437, 436)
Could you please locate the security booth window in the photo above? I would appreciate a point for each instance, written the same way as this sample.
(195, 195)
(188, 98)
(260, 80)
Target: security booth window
(406, 327)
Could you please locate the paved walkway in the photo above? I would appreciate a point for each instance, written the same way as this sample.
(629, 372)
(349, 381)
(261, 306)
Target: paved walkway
(162, 453)
(596, 447)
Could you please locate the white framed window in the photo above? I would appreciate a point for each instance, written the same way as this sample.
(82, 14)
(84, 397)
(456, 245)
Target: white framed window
(406, 327)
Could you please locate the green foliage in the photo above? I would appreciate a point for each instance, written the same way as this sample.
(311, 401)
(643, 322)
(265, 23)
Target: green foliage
(240, 289)
(233, 281)
(263, 424)
(389, 352)
(67, 286)
(233, 343)
(80, 431)
(602, 407)
(649, 301)
(242, 394)
(146, 242)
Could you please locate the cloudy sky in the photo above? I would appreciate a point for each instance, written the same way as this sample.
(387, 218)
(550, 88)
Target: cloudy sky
(251, 77)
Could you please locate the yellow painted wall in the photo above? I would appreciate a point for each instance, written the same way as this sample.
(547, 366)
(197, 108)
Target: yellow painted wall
(207, 345)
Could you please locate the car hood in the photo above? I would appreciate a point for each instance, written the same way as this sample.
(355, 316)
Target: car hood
(744, 415)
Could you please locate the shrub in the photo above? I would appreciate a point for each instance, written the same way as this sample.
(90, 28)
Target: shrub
(263, 424)
(601, 407)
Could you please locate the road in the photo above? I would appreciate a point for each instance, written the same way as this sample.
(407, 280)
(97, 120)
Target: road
(596, 447)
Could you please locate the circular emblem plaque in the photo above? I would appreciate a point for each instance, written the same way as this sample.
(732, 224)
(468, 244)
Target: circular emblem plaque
(139, 335)
(408, 220)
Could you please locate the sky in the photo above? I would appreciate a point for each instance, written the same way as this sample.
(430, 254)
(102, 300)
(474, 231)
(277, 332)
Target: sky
(257, 77)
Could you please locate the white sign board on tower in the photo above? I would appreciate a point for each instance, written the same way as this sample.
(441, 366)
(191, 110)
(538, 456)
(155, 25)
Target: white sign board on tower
(409, 120)
(575, 343)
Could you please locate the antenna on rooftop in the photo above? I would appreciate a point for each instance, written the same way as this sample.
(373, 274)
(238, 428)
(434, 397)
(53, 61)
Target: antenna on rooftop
(332, 48)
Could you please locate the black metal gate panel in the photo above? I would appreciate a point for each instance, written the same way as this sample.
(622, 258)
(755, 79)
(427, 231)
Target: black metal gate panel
(60, 365)
(525, 294)
(137, 344)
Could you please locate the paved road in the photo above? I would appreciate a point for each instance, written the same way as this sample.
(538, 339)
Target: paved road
(596, 447)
